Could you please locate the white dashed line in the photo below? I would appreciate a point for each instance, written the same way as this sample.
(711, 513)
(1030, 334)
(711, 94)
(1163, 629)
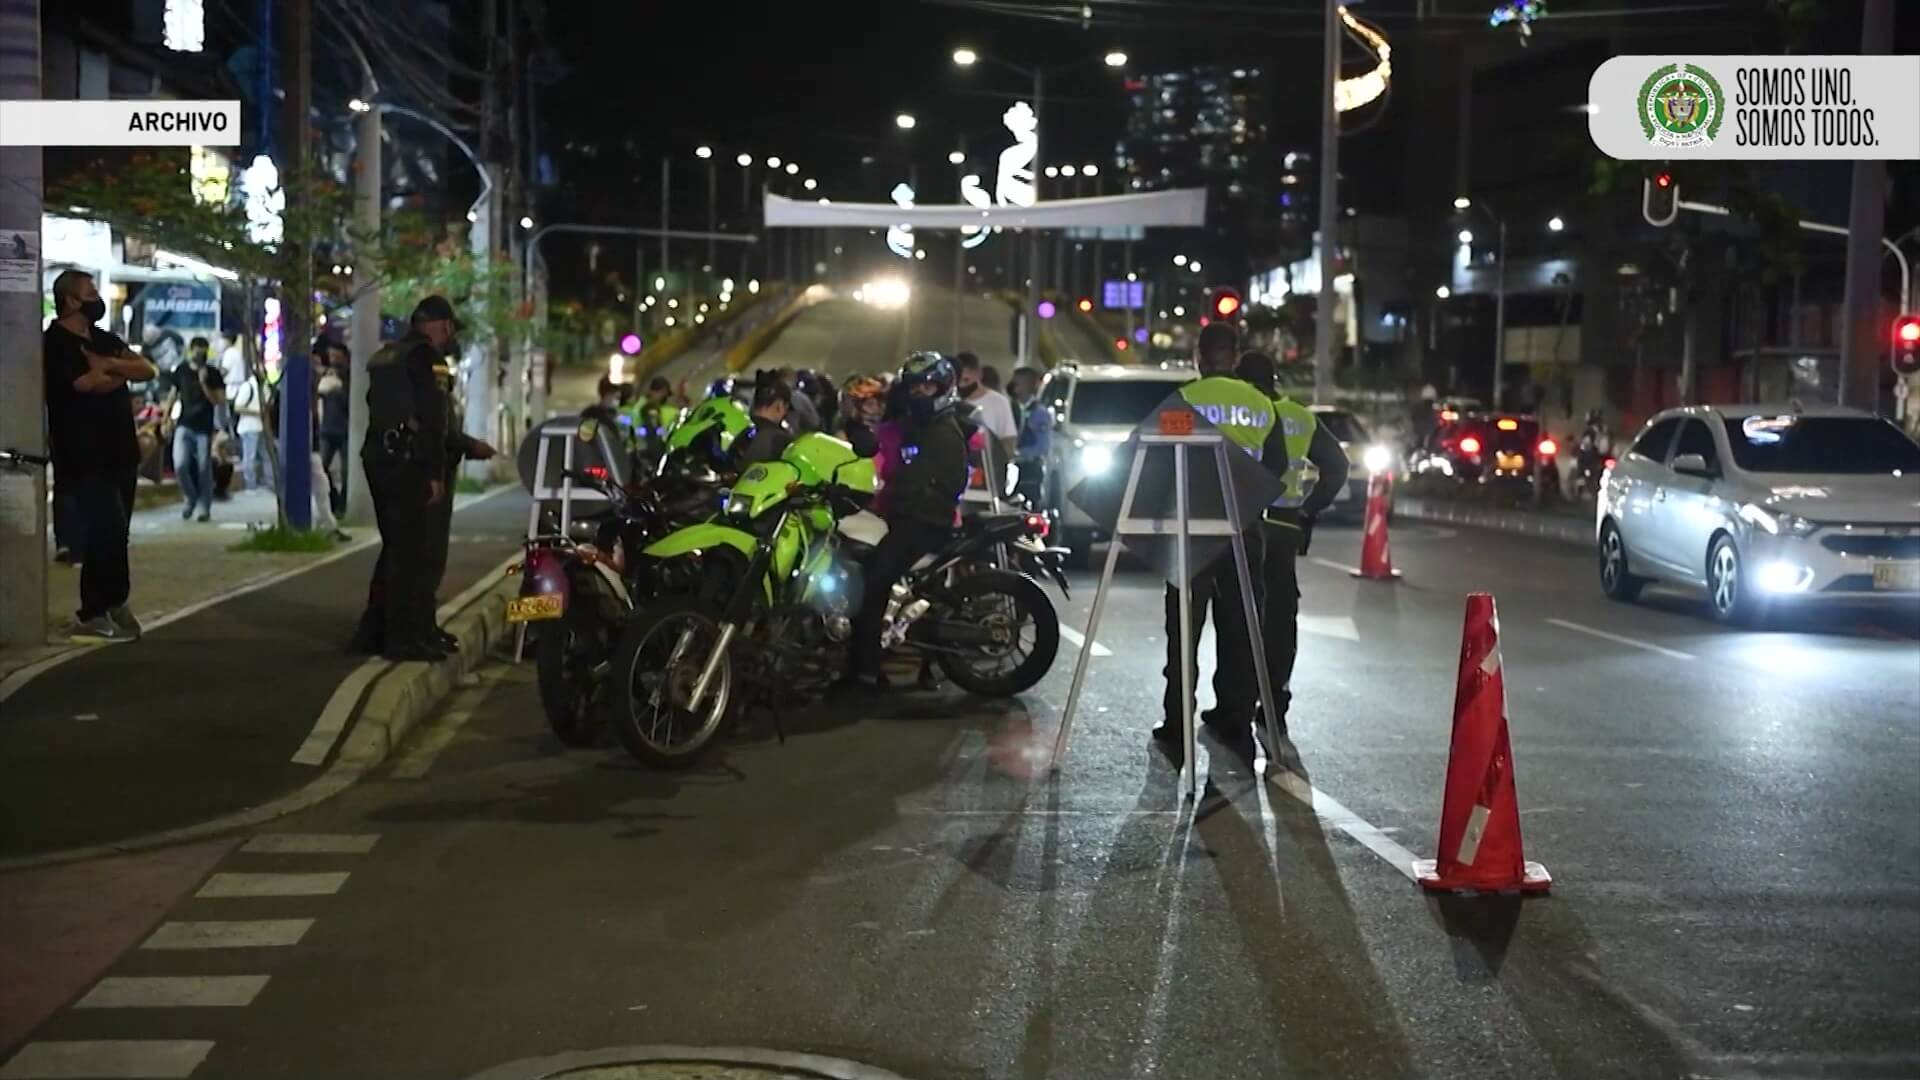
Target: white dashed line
(1618, 640)
(1079, 640)
(239, 934)
(107, 1059)
(1331, 812)
(173, 992)
(1331, 565)
(221, 886)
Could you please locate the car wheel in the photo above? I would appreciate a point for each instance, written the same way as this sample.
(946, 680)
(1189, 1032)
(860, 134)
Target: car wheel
(1729, 594)
(1615, 579)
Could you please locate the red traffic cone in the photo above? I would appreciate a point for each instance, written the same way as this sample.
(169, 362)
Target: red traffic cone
(1376, 557)
(1480, 818)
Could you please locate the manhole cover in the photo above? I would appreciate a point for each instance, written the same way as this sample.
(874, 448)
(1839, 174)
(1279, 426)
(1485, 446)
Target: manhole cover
(686, 1063)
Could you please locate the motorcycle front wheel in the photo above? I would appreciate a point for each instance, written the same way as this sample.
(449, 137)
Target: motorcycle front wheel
(1023, 627)
(654, 670)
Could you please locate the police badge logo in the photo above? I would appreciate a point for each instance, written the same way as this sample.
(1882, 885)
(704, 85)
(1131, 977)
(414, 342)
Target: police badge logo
(1681, 106)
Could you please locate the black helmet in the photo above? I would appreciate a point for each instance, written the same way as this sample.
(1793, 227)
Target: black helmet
(721, 387)
(927, 367)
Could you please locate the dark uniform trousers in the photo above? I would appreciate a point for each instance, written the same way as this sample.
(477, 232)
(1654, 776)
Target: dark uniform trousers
(440, 525)
(1280, 615)
(1236, 689)
(400, 597)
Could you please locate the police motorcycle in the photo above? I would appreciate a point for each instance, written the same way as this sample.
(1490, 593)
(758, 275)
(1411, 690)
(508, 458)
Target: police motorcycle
(578, 588)
(757, 605)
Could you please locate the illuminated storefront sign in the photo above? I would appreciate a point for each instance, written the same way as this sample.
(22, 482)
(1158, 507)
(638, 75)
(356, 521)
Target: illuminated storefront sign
(185, 29)
(212, 175)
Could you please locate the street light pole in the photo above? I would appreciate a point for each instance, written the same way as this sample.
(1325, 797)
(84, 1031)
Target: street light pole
(1329, 207)
(1500, 319)
(365, 338)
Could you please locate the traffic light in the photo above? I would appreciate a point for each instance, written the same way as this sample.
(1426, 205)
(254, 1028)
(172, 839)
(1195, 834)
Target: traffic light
(1085, 305)
(1224, 303)
(1660, 199)
(1906, 344)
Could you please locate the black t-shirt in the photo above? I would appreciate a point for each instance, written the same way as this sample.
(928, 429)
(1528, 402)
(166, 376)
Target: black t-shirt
(196, 407)
(86, 432)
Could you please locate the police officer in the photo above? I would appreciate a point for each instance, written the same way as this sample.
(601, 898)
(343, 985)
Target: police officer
(405, 456)
(772, 430)
(459, 447)
(1245, 416)
(1316, 471)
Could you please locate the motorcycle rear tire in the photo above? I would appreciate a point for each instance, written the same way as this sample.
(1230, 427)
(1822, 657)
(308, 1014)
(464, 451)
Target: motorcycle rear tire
(1030, 602)
(574, 712)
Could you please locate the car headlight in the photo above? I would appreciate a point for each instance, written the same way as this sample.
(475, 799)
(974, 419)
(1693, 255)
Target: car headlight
(1096, 458)
(1776, 523)
(1377, 459)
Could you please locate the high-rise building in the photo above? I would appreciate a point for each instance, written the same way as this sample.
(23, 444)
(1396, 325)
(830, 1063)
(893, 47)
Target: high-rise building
(1206, 127)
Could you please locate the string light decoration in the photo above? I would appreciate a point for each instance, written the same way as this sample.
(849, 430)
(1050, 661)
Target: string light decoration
(1521, 13)
(1371, 85)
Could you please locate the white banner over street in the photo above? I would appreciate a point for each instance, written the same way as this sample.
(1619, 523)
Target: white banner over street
(1777, 108)
(1183, 207)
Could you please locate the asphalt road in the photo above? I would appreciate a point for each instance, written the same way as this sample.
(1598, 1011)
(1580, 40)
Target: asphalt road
(845, 337)
(1732, 820)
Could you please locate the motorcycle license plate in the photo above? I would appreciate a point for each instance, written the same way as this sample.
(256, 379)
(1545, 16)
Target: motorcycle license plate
(1511, 462)
(523, 609)
(1897, 576)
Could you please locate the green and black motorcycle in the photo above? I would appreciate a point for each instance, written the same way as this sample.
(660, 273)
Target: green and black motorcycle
(757, 604)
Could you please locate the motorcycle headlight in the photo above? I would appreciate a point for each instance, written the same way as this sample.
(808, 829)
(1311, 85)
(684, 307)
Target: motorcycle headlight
(1096, 458)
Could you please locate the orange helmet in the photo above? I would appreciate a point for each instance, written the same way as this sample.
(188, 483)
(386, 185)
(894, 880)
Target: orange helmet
(858, 391)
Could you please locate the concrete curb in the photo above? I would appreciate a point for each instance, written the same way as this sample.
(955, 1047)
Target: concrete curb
(1547, 526)
(409, 693)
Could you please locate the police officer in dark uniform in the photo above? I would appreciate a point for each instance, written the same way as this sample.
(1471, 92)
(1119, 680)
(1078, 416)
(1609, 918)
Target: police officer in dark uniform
(459, 447)
(405, 456)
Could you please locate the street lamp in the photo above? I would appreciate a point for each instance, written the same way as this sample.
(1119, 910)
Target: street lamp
(792, 169)
(1500, 291)
(703, 152)
(773, 163)
(1115, 59)
(1090, 170)
(744, 160)
(904, 121)
(1179, 260)
(1443, 292)
(526, 222)
(956, 158)
(360, 105)
(1069, 171)
(1556, 224)
(810, 183)
(965, 57)
(1053, 172)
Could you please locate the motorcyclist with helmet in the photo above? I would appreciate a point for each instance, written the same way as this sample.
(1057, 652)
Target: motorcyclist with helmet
(863, 403)
(919, 499)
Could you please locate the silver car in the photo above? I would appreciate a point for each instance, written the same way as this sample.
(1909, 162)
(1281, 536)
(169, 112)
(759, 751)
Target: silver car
(1094, 408)
(1764, 505)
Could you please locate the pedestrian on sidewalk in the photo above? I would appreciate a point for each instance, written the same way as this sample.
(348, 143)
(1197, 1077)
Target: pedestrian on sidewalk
(1245, 416)
(405, 456)
(1316, 472)
(194, 389)
(332, 392)
(249, 420)
(96, 455)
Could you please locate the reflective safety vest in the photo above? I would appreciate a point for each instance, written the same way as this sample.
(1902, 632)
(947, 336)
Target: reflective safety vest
(1297, 425)
(1242, 413)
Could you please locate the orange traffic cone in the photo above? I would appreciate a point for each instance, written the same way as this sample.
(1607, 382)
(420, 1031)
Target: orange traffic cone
(1376, 556)
(1480, 818)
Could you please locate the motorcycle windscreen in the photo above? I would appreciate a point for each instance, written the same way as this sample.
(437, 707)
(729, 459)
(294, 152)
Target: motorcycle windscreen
(817, 456)
(760, 489)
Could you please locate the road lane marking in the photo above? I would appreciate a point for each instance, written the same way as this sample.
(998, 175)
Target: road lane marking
(1079, 640)
(108, 1059)
(311, 844)
(173, 992)
(12, 683)
(236, 885)
(1331, 565)
(332, 722)
(1333, 813)
(238, 934)
(1333, 626)
(1618, 640)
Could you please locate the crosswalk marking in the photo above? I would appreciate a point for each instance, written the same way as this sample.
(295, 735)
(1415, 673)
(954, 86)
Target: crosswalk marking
(231, 885)
(172, 991)
(255, 933)
(311, 844)
(107, 1059)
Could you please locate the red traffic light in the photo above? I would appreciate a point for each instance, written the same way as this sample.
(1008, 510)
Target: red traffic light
(1226, 303)
(1906, 344)
(1663, 179)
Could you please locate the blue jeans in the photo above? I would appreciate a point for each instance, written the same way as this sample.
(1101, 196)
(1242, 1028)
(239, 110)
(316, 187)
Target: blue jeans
(253, 460)
(193, 466)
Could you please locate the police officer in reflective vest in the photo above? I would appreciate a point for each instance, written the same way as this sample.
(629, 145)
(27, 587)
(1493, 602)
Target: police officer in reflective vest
(1316, 471)
(405, 455)
(1245, 416)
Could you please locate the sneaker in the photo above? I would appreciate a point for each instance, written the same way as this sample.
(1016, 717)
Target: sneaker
(123, 617)
(205, 515)
(186, 512)
(100, 630)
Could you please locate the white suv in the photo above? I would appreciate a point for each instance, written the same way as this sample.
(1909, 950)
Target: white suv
(1762, 505)
(1095, 408)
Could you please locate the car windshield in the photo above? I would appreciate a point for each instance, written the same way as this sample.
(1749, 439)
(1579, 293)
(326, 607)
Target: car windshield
(1121, 401)
(1820, 444)
(1342, 426)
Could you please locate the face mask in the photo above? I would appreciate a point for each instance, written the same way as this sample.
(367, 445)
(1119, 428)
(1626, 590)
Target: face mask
(922, 409)
(94, 309)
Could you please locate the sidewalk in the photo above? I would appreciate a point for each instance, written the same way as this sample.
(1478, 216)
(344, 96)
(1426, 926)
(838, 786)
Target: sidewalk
(205, 715)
